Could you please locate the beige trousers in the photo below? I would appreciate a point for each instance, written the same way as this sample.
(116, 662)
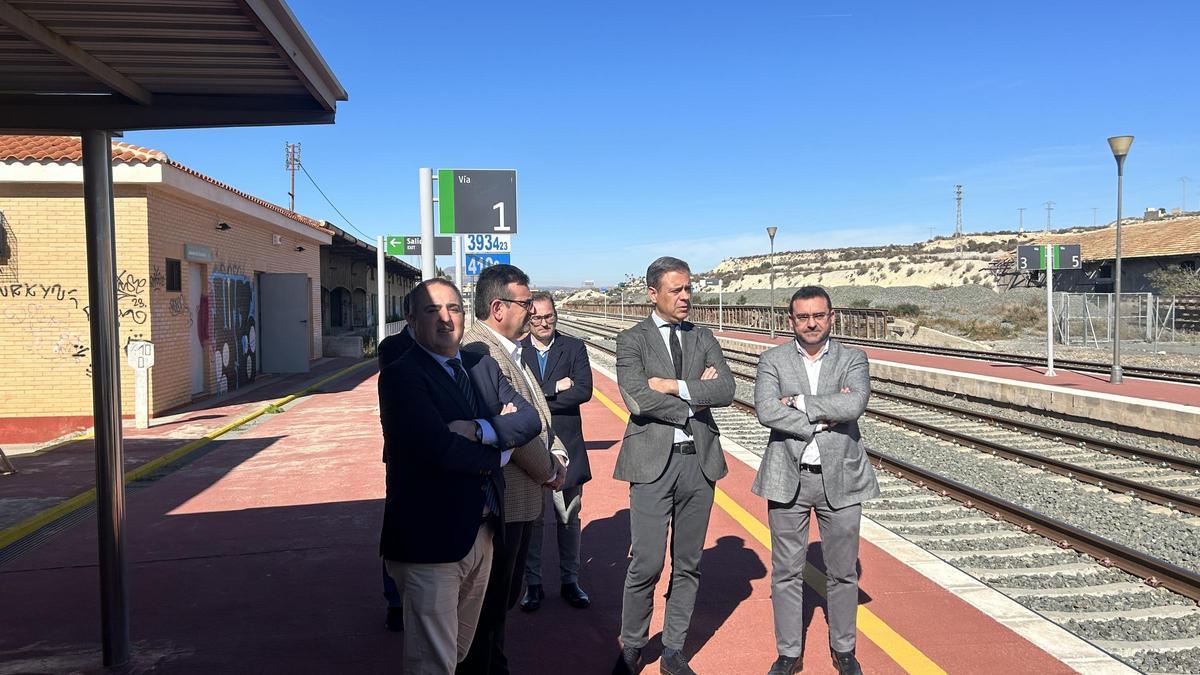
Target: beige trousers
(441, 607)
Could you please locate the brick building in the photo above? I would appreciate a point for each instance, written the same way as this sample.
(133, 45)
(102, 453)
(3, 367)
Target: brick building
(198, 260)
(350, 292)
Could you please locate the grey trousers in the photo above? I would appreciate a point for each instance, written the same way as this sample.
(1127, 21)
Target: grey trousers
(681, 499)
(441, 607)
(564, 507)
(789, 550)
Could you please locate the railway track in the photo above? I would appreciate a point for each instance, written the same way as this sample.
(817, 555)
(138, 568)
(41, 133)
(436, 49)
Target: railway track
(1144, 372)
(1131, 603)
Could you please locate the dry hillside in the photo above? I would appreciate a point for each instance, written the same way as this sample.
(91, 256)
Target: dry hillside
(936, 263)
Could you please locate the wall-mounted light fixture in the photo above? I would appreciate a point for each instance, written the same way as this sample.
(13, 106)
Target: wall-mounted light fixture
(223, 226)
(299, 249)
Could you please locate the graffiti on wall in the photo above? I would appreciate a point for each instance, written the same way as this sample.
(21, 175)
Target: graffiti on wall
(234, 337)
(178, 306)
(130, 303)
(158, 280)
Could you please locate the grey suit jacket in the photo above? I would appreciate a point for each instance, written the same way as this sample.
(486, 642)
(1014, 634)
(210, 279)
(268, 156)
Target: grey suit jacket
(531, 464)
(653, 416)
(845, 470)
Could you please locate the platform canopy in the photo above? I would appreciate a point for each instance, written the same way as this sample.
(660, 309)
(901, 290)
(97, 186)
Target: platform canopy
(93, 68)
(67, 65)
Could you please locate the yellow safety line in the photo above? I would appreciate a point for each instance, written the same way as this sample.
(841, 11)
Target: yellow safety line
(41, 519)
(875, 629)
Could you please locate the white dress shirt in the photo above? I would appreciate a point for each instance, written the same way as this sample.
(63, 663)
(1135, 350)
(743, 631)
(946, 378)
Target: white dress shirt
(514, 354)
(812, 366)
(681, 433)
(489, 432)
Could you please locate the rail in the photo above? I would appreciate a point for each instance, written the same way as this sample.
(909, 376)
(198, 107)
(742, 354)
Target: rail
(1155, 571)
(848, 321)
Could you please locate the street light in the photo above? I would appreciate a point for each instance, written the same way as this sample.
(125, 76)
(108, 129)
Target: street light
(771, 311)
(1120, 148)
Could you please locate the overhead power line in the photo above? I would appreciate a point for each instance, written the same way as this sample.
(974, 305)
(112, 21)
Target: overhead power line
(367, 237)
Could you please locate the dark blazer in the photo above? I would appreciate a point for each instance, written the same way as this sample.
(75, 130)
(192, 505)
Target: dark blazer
(567, 358)
(653, 417)
(435, 478)
(393, 347)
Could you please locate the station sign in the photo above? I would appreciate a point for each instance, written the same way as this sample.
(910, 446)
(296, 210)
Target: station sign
(397, 244)
(478, 263)
(487, 243)
(1066, 257)
(477, 201)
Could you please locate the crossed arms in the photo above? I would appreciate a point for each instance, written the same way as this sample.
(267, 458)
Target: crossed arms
(821, 411)
(659, 398)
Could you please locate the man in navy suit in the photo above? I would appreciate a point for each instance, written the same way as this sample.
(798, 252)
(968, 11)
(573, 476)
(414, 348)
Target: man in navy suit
(560, 364)
(446, 437)
(389, 351)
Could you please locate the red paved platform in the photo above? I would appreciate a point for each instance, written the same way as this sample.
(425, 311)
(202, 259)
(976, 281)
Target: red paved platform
(1153, 390)
(261, 556)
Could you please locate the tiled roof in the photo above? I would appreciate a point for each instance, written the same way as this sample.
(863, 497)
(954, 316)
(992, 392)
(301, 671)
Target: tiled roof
(69, 149)
(1146, 239)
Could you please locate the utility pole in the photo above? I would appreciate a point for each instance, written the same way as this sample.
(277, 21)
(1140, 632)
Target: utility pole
(1049, 208)
(292, 163)
(1021, 227)
(957, 210)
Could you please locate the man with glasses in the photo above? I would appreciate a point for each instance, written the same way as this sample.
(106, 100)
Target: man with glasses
(810, 394)
(560, 365)
(503, 305)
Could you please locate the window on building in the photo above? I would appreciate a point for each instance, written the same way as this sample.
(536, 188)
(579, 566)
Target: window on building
(174, 276)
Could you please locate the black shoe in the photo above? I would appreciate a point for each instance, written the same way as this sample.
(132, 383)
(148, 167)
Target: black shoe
(786, 665)
(533, 598)
(395, 619)
(627, 662)
(673, 663)
(845, 663)
(574, 596)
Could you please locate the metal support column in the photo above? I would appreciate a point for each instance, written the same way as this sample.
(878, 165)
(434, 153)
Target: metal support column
(428, 265)
(106, 393)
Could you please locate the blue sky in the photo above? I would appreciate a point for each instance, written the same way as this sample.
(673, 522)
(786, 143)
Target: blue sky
(645, 129)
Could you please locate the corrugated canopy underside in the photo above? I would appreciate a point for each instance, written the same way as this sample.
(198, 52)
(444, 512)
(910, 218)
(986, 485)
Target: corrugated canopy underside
(138, 64)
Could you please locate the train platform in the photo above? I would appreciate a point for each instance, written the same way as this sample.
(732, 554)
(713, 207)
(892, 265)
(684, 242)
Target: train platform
(259, 554)
(1153, 405)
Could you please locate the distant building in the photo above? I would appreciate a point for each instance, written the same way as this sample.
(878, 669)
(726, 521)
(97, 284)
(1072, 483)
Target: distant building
(350, 291)
(197, 262)
(1146, 246)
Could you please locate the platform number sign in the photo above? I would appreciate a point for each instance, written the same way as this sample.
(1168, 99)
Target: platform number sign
(477, 201)
(478, 263)
(1066, 257)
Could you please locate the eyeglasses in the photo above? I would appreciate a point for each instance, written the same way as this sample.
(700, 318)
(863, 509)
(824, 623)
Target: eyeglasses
(526, 304)
(818, 316)
(543, 318)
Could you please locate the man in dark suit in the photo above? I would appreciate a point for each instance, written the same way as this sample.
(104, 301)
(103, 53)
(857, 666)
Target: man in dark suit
(389, 351)
(446, 438)
(670, 373)
(560, 365)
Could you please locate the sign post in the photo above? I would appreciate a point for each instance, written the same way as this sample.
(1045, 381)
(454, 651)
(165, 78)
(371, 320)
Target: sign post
(425, 183)
(380, 276)
(1049, 257)
(140, 355)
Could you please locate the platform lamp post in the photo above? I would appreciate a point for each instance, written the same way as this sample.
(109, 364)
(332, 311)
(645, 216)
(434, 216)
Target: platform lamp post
(1120, 148)
(771, 311)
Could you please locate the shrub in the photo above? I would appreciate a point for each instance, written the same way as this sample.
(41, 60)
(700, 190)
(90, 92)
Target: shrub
(1175, 280)
(906, 309)
(860, 302)
(742, 299)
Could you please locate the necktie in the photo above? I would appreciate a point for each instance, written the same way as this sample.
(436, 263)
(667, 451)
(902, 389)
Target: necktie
(676, 352)
(468, 392)
(542, 362)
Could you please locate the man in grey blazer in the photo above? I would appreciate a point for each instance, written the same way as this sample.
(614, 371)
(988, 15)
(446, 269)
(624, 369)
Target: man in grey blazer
(810, 393)
(670, 373)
